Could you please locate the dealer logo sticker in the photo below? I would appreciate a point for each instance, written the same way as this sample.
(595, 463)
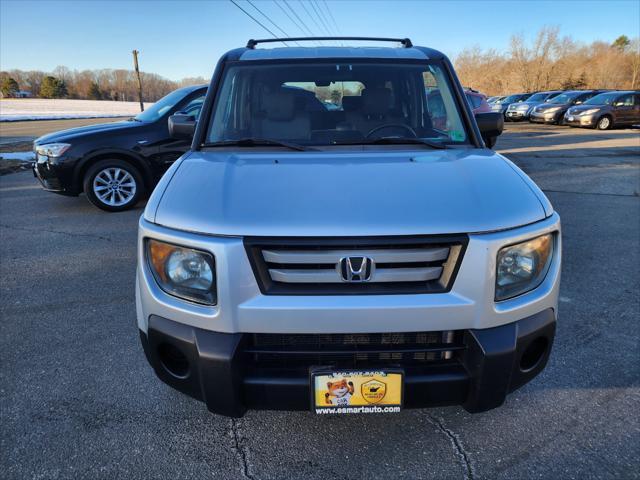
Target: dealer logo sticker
(373, 391)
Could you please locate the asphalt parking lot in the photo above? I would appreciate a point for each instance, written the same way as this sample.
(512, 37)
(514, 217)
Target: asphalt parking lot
(79, 400)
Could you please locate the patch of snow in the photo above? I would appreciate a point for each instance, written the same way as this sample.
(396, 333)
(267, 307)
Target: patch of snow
(20, 156)
(20, 109)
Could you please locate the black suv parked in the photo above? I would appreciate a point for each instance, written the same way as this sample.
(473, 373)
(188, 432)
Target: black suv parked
(116, 164)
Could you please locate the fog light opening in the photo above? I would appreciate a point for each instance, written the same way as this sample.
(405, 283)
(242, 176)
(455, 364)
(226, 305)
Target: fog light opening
(173, 360)
(533, 354)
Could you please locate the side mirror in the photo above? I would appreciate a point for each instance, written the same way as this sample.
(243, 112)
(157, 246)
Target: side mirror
(182, 126)
(490, 124)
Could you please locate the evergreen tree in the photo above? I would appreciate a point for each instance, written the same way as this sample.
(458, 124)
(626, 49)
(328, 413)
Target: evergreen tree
(94, 92)
(61, 90)
(52, 88)
(9, 87)
(621, 43)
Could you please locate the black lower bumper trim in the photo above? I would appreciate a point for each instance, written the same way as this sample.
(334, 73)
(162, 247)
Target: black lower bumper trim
(495, 362)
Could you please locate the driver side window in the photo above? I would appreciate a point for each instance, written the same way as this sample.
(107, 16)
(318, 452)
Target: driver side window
(194, 106)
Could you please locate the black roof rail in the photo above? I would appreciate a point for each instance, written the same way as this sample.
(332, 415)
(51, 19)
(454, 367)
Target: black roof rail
(406, 43)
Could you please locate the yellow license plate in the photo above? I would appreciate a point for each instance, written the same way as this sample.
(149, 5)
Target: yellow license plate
(376, 391)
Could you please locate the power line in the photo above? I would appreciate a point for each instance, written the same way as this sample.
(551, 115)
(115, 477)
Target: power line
(330, 20)
(271, 21)
(310, 15)
(335, 24)
(300, 19)
(255, 20)
(320, 16)
(290, 17)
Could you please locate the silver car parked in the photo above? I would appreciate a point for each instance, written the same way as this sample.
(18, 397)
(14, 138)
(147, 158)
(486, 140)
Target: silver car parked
(521, 110)
(359, 259)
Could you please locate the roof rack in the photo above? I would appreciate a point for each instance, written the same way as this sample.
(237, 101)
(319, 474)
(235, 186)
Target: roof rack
(406, 43)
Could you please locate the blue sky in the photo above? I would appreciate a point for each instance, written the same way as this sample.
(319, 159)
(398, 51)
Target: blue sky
(185, 38)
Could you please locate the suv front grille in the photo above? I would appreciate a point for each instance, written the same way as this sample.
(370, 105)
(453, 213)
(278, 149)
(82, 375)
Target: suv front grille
(348, 266)
(353, 350)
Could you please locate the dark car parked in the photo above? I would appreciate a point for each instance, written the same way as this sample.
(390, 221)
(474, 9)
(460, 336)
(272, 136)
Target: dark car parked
(116, 164)
(606, 110)
(502, 105)
(553, 111)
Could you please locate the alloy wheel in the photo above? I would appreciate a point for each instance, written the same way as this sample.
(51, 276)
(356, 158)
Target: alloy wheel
(114, 186)
(604, 123)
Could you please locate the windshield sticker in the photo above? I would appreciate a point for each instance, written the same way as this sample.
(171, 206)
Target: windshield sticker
(457, 135)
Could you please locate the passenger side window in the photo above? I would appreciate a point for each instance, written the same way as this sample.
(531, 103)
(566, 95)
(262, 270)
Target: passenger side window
(626, 101)
(440, 106)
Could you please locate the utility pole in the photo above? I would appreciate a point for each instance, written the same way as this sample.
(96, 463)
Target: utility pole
(135, 65)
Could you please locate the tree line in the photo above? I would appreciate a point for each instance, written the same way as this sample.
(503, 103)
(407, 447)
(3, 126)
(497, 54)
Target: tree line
(548, 62)
(104, 84)
(551, 62)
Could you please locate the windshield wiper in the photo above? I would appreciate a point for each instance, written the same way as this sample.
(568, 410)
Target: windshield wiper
(403, 141)
(256, 142)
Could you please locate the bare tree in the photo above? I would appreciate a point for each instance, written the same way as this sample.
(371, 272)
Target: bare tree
(551, 62)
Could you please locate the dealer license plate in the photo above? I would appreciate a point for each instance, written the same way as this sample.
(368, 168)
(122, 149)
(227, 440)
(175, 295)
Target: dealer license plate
(342, 392)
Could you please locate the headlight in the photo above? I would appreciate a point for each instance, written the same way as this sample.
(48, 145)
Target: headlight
(183, 272)
(588, 112)
(52, 149)
(552, 109)
(522, 267)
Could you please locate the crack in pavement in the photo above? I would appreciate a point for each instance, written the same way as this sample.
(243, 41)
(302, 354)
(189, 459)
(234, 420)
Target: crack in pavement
(240, 449)
(458, 448)
(40, 230)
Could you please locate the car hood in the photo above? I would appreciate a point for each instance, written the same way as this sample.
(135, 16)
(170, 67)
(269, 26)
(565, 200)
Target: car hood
(547, 106)
(583, 107)
(69, 134)
(528, 104)
(346, 194)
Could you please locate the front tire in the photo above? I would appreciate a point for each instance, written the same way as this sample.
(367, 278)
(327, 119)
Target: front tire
(604, 123)
(113, 185)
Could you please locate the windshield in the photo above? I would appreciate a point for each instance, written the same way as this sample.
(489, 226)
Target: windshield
(564, 98)
(603, 99)
(512, 98)
(538, 97)
(162, 106)
(336, 103)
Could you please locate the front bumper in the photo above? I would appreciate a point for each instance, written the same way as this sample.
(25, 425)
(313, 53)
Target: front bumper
(54, 177)
(580, 120)
(516, 115)
(217, 370)
(544, 117)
